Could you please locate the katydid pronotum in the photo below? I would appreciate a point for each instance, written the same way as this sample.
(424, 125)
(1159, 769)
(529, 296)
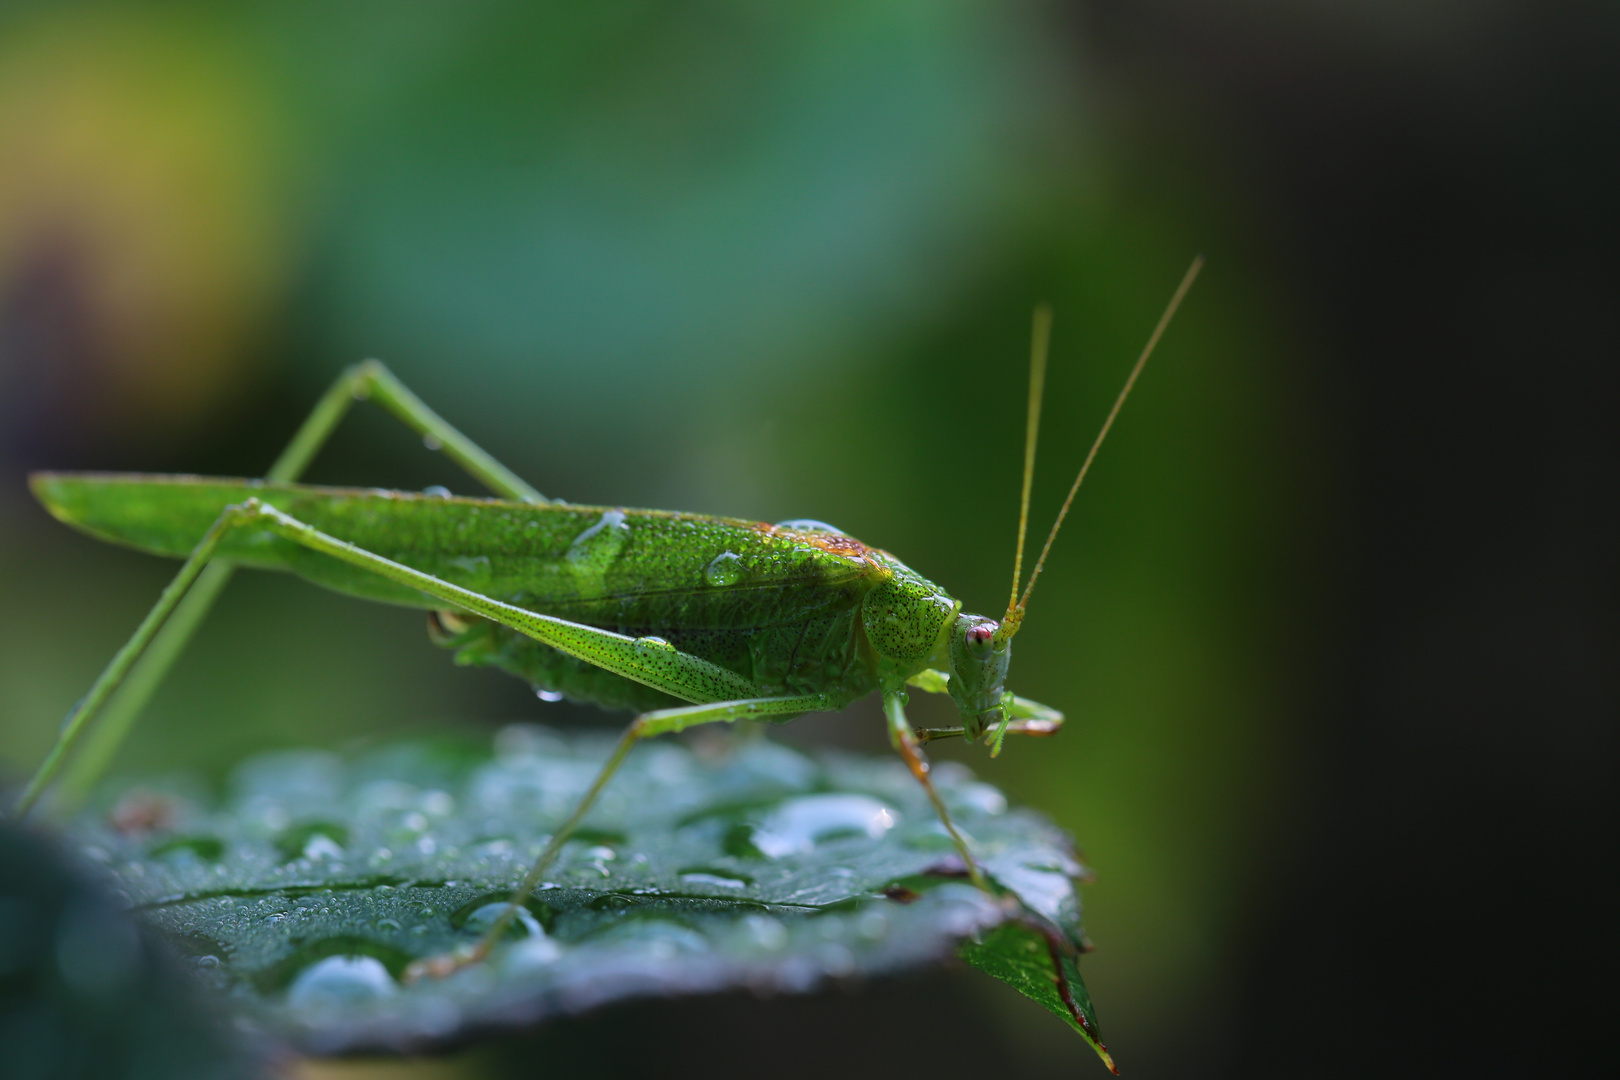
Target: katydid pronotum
(684, 619)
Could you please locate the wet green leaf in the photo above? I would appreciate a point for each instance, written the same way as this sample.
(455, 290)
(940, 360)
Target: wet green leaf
(304, 894)
(1027, 959)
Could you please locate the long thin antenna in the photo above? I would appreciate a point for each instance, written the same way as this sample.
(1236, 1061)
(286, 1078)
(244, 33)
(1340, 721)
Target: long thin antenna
(1040, 337)
(1017, 614)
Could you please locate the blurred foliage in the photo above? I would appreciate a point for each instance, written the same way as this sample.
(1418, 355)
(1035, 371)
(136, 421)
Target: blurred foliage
(83, 992)
(767, 261)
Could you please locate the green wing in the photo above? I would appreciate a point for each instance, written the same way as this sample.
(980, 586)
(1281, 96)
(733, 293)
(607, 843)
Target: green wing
(599, 565)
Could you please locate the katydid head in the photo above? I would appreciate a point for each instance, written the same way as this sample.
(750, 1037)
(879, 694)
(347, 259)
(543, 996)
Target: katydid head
(978, 672)
(980, 647)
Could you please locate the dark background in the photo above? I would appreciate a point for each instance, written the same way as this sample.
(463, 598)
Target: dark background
(1443, 206)
(1335, 616)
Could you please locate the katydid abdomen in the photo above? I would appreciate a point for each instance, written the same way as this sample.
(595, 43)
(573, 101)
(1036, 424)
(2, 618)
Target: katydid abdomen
(780, 606)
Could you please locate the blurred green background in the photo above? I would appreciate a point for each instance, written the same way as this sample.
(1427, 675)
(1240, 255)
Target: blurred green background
(770, 261)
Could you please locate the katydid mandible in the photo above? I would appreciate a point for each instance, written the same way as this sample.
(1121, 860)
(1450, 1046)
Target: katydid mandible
(684, 619)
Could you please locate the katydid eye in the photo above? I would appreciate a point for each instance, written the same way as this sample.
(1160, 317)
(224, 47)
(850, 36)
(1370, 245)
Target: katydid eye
(980, 637)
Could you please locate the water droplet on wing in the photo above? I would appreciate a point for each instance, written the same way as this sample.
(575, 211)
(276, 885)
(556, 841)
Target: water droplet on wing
(653, 646)
(725, 569)
(593, 551)
(810, 525)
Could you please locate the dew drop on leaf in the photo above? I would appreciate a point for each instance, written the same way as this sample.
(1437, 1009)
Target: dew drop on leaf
(341, 981)
(799, 824)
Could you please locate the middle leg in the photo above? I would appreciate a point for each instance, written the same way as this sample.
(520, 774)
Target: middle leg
(645, 726)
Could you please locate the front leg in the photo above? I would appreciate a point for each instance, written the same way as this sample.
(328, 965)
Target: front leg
(1021, 716)
(905, 742)
(645, 726)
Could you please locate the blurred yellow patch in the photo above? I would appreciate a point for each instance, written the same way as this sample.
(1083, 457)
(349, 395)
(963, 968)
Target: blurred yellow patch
(142, 214)
(380, 1069)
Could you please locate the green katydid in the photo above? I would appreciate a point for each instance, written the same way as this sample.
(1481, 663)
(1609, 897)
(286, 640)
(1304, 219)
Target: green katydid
(682, 618)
